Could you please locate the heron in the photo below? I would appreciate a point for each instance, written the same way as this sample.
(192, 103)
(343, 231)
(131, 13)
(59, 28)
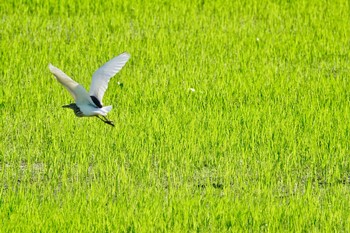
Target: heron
(90, 104)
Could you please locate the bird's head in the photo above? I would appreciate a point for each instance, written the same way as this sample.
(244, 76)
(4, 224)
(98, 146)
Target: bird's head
(75, 108)
(71, 106)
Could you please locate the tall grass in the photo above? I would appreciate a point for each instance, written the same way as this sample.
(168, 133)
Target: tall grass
(233, 116)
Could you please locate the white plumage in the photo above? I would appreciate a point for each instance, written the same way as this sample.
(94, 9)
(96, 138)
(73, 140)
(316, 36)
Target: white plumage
(90, 104)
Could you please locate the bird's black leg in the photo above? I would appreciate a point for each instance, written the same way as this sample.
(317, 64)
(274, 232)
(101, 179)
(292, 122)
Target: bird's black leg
(100, 118)
(106, 120)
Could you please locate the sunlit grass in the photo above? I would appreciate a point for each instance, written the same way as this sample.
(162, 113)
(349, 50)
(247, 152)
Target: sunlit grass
(233, 116)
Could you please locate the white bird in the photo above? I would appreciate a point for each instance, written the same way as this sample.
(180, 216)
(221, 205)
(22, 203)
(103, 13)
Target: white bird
(90, 104)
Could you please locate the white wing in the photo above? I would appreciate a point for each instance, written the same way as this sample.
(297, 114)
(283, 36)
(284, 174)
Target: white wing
(102, 76)
(78, 92)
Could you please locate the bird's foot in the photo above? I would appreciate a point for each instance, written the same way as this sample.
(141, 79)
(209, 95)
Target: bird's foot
(109, 122)
(105, 120)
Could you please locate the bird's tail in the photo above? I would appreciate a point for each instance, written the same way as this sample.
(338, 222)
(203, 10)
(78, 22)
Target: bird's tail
(106, 109)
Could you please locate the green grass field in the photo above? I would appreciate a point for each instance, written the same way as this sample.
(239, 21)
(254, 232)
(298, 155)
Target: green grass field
(261, 145)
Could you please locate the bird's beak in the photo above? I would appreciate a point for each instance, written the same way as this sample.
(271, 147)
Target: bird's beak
(66, 106)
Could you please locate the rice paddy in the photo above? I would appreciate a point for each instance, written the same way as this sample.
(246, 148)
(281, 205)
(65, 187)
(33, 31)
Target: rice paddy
(230, 116)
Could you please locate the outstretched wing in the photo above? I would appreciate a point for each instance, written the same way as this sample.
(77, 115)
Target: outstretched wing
(78, 92)
(102, 76)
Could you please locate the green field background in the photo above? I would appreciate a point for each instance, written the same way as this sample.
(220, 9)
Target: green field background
(234, 116)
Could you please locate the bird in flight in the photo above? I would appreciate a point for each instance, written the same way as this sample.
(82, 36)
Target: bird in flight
(90, 104)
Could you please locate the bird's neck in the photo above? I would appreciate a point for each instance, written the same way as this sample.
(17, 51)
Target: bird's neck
(76, 110)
